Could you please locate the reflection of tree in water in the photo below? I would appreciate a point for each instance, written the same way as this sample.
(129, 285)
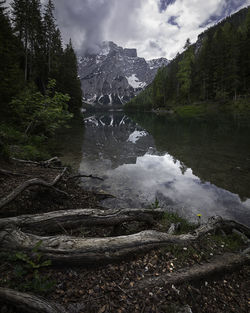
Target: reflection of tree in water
(217, 151)
(183, 168)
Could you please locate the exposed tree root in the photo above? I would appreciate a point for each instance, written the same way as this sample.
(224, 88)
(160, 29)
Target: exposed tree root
(71, 250)
(47, 163)
(86, 176)
(32, 182)
(28, 302)
(52, 222)
(220, 264)
(10, 173)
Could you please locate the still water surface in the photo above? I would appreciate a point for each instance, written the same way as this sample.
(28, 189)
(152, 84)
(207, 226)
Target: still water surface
(190, 166)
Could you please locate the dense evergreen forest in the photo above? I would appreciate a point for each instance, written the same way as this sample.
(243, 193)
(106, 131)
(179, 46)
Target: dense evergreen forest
(39, 85)
(216, 69)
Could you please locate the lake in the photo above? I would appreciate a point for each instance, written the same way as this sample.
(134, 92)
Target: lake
(189, 166)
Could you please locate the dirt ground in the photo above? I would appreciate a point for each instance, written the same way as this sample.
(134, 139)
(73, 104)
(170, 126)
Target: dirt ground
(110, 287)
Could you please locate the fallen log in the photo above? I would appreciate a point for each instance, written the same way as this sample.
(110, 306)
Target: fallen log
(52, 222)
(32, 182)
(10, 173)
(219, 264)
(74, 250)
(28, 302)
(84, 176)
(46, 163)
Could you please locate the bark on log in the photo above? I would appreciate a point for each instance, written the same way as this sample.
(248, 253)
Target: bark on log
(84, 176)
(72, 250)
(10, 173)
(28, 302)
(220, 264)
(52, 222)
(47, 163)
(32, 182)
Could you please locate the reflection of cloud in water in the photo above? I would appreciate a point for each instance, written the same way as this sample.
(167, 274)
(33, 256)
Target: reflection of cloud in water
(114, 147)
(159, 175)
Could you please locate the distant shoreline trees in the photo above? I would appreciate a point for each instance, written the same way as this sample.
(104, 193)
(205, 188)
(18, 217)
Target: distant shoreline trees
(215, 69)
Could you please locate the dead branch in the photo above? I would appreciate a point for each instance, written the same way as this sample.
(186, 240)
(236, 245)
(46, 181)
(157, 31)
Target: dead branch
(47, 163)
(25, 161)
(10, 173)
(72, 250)
(28, 302)
(32, 182)
(220, 264)
(86, 176)
(52, 222)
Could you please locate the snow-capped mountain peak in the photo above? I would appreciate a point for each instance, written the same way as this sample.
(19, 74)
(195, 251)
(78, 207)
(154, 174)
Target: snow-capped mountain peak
(114, 75)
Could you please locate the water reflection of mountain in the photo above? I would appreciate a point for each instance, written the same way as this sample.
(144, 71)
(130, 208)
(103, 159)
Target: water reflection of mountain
(216, 151)
(114, 139)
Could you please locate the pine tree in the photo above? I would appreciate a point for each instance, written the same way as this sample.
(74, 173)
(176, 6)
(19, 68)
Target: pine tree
(10, 73)
(21, 16)
(185, 71)
(28, 26)
(50, 31)
(70, 82)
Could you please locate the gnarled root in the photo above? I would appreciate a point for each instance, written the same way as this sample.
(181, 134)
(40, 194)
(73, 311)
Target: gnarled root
(73, 250)
(28, 302)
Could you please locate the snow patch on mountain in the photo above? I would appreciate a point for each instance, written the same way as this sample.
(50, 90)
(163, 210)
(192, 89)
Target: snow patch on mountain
(134, 82)
(114, 75)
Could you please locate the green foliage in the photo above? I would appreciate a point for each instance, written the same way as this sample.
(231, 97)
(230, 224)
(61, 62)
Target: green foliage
(184, 72)
(216, 69)
(231, 242)
(32, 58)
(31, 152)
(155, 204)
(172, 217)
(188, 111)
(26, 271)
(143, 102)
(41, 114)
(69, 81)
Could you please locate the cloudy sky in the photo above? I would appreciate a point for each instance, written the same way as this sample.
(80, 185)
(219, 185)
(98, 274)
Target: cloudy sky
(155, 27)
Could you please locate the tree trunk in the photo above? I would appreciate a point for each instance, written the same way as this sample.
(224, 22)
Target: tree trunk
(52, 222)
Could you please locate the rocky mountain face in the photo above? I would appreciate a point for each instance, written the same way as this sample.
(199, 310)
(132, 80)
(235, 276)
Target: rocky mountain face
(114, 75)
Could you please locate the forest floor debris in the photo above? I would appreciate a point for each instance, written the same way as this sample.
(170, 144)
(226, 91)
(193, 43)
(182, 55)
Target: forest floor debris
(111, 287)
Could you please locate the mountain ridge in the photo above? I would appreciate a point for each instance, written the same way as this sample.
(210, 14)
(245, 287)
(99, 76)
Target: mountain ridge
(113, 75)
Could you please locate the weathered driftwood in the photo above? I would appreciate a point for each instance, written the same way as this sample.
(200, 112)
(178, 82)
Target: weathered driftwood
(84, 176)
(219, 264)
(10, 173)
(32, 182)
(52, 222)
(47, 163)
(74, 250)
(28, 302)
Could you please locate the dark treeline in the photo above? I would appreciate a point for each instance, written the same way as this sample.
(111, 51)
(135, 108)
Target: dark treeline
(215, 69)
(39, 84)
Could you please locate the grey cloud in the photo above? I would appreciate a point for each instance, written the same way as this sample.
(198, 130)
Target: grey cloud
(89, 22)
(148, 25)
(163, 4)
(155, 45)
(229, 7)
(84, 21)
(172, 21)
